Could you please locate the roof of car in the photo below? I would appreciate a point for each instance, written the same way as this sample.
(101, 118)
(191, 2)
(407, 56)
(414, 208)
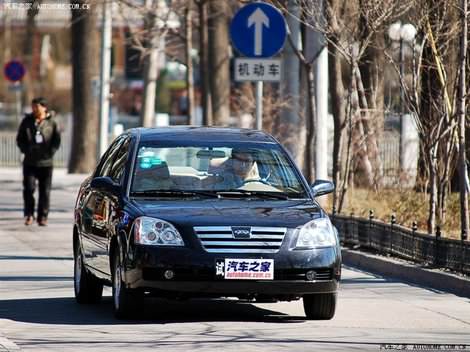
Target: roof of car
(210, 134)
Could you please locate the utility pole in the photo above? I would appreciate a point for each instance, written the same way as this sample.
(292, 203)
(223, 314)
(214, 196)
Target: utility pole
(317, 51)
(105, 76)
(463, 175)
(147, 117)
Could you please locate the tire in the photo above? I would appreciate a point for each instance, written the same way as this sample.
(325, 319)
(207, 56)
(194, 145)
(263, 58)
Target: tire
(88, 289)
(127, 303)
(320, 306)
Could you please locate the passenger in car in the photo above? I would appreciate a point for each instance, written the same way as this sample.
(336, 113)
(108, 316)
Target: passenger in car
(156, 177)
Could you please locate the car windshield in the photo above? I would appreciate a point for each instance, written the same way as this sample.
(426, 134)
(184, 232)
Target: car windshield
(261, 170)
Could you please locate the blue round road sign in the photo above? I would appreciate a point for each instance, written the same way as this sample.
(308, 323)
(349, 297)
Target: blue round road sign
(258, 30)
(14, 70)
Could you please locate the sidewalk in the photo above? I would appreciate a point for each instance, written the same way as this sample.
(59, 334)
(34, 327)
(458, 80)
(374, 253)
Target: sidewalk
(7, 345)
(60, 177)
(35, 243)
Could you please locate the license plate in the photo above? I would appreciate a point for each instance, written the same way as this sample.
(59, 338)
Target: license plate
(245, 269)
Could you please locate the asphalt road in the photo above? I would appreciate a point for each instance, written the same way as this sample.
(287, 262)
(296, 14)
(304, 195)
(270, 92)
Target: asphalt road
(38, 311)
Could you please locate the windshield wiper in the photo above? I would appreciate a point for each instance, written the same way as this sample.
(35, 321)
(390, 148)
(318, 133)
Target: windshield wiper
(173, 192)
(245, 192)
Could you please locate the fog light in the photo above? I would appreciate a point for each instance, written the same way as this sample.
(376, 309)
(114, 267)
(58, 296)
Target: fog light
(310, 275)
(169, 274)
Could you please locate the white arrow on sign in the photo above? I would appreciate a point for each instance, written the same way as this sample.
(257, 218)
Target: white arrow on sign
(258, 18)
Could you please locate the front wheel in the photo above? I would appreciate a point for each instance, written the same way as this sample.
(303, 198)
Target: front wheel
(126, 302)
(320, 306)
(88, 289)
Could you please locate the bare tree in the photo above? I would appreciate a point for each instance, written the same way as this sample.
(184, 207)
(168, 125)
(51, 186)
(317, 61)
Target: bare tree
(352, 29)
(431, 99)
(148, 26)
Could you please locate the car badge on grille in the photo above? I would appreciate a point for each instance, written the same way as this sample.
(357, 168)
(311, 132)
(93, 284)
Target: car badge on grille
(241, 232)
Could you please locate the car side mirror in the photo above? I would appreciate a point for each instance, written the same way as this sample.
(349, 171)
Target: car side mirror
(322, 187)
(105, 184)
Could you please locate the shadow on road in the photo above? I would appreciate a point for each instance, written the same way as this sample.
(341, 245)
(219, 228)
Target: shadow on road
(157, 311)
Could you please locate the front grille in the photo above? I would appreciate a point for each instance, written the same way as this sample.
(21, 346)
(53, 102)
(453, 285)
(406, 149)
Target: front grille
(219, 239)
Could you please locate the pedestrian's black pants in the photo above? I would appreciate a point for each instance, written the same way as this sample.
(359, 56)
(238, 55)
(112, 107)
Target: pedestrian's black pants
(43, 175)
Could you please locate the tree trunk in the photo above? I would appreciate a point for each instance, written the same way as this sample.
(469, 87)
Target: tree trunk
(359, 133)
(463, 175)
(338, 104)
(371, 67)
(352, 103)
(189, 63)
(369, 133)
(30, 43)
(432, 191)
(6, 54)
(219, 61)
(309, 123)
(204, 64)
(147, 114)
(371, 70)
(85, 64)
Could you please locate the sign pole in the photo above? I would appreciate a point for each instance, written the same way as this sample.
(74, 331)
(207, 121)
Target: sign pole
(259, 105)
(18, 101)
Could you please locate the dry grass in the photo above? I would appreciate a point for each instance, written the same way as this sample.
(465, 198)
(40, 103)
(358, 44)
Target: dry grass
(407, 205)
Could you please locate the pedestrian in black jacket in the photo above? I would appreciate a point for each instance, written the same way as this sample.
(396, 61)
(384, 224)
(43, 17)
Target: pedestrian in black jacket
(38, 139)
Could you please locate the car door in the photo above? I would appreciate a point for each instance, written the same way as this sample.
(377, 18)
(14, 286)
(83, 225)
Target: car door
(107, 207)
(95, 215)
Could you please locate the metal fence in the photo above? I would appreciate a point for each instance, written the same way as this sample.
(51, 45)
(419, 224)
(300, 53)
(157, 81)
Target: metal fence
(389, 149)
(395, 240)
(11, 156)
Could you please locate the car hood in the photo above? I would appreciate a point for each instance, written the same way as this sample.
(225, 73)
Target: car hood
(280, 213)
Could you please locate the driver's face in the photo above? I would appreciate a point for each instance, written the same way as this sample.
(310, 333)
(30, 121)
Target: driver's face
(242, 164)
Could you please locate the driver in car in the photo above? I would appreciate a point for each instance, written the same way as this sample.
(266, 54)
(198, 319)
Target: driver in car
(240, 168)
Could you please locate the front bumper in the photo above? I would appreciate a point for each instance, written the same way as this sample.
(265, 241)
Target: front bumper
(194, 272)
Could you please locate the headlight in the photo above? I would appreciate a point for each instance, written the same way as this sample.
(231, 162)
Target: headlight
(315, 234)
(156, 232)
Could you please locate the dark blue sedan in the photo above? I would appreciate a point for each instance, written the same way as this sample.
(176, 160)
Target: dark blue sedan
(185, 212)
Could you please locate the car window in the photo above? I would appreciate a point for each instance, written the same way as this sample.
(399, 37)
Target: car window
(106, 162)
(119, 161)
(263, 168)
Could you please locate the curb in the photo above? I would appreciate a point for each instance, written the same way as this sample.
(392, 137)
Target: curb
(410, 273)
